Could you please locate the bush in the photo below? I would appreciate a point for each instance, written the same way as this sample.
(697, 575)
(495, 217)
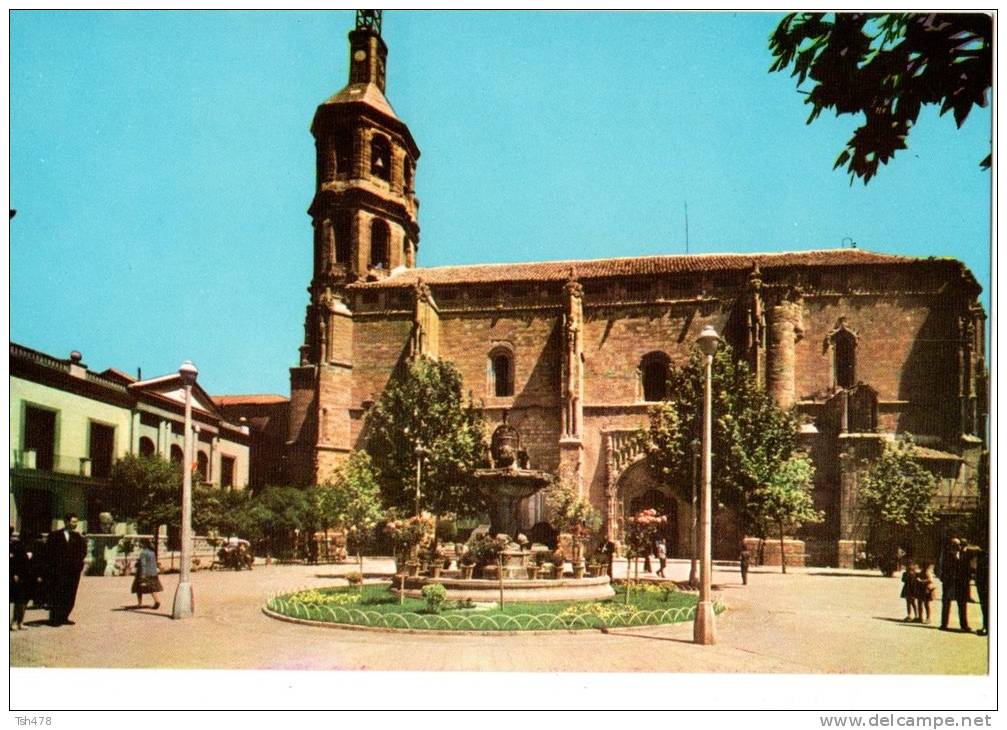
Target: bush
(435, 595)
(354, 578)
(484, 550)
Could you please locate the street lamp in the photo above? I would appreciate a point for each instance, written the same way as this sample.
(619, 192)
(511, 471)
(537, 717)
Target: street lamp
(696, 444)
(419, 451)
(182, 607)
(703, 628)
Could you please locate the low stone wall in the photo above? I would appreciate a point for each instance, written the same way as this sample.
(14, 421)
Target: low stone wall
(767, 552)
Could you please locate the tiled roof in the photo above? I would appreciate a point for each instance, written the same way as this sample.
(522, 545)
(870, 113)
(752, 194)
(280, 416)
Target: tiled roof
(369, 94)
(247, 400)
(640, 266)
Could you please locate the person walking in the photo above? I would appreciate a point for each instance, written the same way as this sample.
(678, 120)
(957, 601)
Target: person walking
(744, 557)
(65, 550)
(926, 588)
(20, 580)
(146, 580)
(909, 591)
(609, 552)
(662, 556)
(983, 585)
(954, 575)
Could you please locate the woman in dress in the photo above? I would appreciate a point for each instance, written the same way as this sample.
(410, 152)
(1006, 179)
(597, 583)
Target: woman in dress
(146, 580)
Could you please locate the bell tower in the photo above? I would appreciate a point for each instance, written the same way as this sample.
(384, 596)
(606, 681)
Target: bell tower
(364, 218)
(364, 210)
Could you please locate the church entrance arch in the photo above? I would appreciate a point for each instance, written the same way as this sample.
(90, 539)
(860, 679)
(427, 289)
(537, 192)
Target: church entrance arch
(638, 489)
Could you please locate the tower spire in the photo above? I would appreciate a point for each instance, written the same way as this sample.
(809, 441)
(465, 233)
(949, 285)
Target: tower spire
(369, 19)
(368, 52)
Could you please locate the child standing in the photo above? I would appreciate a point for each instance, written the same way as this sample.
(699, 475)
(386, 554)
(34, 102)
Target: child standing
(909, 591)
(925, 590)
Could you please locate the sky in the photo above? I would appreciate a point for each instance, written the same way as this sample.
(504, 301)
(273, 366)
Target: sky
(161, 165)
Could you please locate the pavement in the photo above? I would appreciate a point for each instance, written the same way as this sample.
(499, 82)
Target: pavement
(809, 621)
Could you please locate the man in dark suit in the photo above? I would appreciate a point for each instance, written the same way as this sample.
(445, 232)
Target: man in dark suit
(64, 552)
(955, 574)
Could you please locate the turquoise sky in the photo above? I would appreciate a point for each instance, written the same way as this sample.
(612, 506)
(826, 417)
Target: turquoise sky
(161, 165)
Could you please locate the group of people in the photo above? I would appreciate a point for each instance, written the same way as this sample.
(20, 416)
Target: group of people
(919, 585)
(47, 573)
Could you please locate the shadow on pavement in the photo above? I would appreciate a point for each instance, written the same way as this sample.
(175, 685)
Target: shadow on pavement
(145, 610)
(907, 624)
(616, 632)
(851, 575)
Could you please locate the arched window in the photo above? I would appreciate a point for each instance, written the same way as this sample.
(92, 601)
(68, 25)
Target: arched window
(343, 232)
(379, 243)
(407, 175)
(344, 153)
(177, 455)
(381, 157)
(841, 345)
(845, 344)
(654, 376)
(501, 372)
(146, 447)
(203, 465)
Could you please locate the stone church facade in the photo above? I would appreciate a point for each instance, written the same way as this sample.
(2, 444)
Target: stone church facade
(865, 345)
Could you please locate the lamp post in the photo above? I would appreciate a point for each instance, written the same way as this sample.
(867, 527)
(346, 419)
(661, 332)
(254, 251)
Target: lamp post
(696, 444)
(419, 451)
(182, 607)
(703, 628)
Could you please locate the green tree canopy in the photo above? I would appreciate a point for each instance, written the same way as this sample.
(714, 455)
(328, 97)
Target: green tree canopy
(146, 489)
(752, 438)
(785, 501)
(424, 406)
(886, 67)
(896, 498)
(354, 498)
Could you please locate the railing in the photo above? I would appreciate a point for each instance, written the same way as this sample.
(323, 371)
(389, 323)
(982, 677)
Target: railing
(41, 358)
(29, 460)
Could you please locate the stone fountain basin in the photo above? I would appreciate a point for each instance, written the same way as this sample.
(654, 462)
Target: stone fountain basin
(515, 590)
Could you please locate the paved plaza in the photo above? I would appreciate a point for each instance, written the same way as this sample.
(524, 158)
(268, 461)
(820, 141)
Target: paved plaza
(809, 621)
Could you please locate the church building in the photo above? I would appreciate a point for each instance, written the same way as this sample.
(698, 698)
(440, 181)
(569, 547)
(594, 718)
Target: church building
(865, 345)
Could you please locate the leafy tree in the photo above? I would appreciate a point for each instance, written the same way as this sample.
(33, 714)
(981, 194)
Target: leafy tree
(897, 499)
(146, 489)
(641, 530)
(751, 438)
(274, 514)
(354, 498)
(886, 67)
(424, 408)
(571, 513)
(785, 500)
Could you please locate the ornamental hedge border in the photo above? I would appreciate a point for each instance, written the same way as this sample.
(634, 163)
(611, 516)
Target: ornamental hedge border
(281, 606)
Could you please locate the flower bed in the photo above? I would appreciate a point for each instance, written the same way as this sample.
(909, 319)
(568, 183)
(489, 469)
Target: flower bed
(377, 607)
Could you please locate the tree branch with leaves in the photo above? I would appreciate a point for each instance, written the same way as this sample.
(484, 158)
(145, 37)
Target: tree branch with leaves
(887, 67)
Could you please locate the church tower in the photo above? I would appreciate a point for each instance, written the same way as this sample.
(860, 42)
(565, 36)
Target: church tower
(364, 219)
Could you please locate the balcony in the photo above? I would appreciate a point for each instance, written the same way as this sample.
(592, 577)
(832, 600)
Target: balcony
(30, 460)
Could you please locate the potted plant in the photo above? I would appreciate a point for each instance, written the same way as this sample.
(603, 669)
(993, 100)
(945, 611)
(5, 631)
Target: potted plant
(533, 571)
(558, 561)
(435, 562)
(485, 551)
(409, 535)
(467, 564)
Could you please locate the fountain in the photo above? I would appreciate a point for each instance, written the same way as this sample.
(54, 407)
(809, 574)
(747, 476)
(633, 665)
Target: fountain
(509, 481)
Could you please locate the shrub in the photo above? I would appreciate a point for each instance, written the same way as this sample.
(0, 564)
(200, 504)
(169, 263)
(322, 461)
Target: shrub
(354, 578)
(484, 550)
(435, 595)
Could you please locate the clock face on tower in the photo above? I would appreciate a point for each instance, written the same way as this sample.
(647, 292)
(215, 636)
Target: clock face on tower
(359, 56)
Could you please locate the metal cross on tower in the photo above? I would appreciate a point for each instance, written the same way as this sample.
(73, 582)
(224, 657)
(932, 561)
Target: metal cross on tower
(370, 19)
